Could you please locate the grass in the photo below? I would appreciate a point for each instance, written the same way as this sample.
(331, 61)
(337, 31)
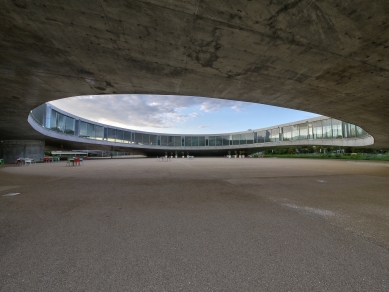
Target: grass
(378, 157)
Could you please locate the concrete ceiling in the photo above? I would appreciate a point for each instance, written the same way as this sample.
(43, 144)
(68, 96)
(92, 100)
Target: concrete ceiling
(327, 57)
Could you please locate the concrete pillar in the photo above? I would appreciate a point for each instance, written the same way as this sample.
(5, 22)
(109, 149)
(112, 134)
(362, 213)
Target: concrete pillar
(10, 150)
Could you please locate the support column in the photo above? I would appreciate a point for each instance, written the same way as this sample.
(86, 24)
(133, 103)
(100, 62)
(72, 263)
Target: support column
(10, 150)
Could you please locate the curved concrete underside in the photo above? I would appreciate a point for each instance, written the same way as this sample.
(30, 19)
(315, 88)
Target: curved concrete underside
(327, 57)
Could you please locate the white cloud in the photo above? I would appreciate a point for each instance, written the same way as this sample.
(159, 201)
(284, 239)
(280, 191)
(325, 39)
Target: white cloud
(151, 111)
(214, 105)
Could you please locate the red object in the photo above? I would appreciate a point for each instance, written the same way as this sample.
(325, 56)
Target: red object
(76, 160)
(46, 159)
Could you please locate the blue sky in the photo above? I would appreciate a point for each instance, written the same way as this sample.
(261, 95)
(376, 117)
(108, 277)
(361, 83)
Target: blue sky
(178, 114)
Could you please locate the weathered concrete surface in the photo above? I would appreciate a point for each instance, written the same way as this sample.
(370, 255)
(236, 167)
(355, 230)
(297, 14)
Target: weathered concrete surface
(10, 150)
(195, 225)
(327, 57)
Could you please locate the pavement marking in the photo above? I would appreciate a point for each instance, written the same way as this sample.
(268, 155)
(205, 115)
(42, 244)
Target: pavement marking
(312, 210)
(321, 181)
(11, 194)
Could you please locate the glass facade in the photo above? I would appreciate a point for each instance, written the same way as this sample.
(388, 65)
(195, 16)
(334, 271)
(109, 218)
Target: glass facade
(211, 141)
(218, 141)
(139, 138)
(250, 138)
(127, 137)
(261, 137)
(235, 139)
(188, 141)
(326, 128)
(337, 129)
(195, 141)
(275, 135)
(317, 130)
(154, 140)
(226, 140)
(163, 140)
(303, 131)
(201, 141)
(287, 135)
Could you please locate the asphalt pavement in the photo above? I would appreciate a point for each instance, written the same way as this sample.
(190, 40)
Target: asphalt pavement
(207, 224)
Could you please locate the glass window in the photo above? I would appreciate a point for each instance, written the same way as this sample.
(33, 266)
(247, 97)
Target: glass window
(170, 141)
(177, 141)
(111, 135)
(153, 140)
(82, 130)
(53, 120)
(138, 138)
(90, 131)
(287, 133)
(275, 135)
(211, 140)
(127, 137)
(242, 139)
(359, 131)
(295, 132)
(218, 141)
(39, 114)
(226, 140)
(119, 136)
(250, 138)
(337, 128)
(303, 131)
(317, 130)
(58, 122)
(310, 131)
(327, 129)
(99, 132)
(261, 137)
(70, 126)
(195, 141)
(202, 141)
(163, 140)
(146, 139)
(235, 139)
(188, 141)
(267, 135)
(351, 130)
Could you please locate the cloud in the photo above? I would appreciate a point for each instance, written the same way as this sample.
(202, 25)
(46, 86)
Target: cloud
(202, 127)
(214, 105)
(151, 111)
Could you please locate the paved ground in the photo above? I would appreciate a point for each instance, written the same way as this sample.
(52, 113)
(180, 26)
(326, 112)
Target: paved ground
(208, 224)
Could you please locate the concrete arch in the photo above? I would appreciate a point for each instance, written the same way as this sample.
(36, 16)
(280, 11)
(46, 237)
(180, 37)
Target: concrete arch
(324, 57)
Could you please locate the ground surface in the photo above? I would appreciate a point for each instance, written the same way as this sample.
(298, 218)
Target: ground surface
(195, 225)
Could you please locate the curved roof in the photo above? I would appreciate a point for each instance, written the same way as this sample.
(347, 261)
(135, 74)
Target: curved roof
(326, 57)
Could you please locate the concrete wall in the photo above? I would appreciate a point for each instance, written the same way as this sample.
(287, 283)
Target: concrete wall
(10, 150)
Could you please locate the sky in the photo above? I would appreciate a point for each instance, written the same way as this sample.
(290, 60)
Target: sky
(178, 114)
